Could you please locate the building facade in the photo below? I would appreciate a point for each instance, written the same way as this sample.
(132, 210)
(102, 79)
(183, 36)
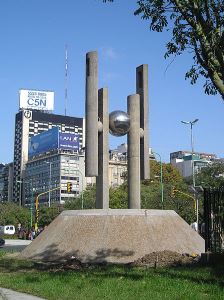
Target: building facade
(183, 160)
(6, 179)
(32, 122)
(49, 173)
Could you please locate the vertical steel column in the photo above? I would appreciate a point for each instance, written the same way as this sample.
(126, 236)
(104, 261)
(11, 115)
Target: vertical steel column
(142, 90)
(134, 152)
(102, 184)
(91, 148)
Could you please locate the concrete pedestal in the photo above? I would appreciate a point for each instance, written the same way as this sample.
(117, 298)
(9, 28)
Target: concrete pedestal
(115, 236)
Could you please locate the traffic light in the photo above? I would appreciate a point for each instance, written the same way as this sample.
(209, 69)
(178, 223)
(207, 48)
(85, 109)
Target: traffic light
(69, 187)
(173, 192)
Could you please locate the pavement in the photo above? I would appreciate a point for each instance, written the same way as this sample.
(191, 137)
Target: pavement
(17, 242)
(6, 294)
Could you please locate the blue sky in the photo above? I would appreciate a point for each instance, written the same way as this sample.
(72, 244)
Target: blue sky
(33, 36)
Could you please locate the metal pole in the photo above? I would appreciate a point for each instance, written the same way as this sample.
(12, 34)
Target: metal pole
(192, 150)
(161, 178)
(82, 187)
(31, 209)
(20, 193)
(49, 200)
(193, 173)
(193, 167)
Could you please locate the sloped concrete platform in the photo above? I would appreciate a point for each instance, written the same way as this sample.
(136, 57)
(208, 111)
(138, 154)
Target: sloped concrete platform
(114, 236)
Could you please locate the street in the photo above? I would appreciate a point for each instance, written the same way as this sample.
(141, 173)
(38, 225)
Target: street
(14, 245)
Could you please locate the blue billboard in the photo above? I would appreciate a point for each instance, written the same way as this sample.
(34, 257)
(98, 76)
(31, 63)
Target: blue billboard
(43, 142)
(52, 139)
(68, 141)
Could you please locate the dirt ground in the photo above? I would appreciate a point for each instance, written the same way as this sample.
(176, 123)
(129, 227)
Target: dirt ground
(166, 258)
(152, 260)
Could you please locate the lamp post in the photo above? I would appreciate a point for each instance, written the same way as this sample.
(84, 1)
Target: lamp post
(31, 199)
(161, 177)
(82, 186)
(191, 123)
(49, 197)
(31, 207)
(20, 191)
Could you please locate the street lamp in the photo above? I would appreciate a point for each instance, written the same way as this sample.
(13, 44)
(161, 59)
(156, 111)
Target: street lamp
(191, 123)
(49, 199)
(82, 185)
(161, 177)
(31, 199)
(20, 191)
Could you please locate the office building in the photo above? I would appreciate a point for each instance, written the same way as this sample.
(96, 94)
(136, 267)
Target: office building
(52, 172)
(6, 179)
(31, 122)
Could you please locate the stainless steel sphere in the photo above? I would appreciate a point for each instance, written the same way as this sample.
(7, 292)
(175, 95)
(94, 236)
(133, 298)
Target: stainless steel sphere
(119, 123)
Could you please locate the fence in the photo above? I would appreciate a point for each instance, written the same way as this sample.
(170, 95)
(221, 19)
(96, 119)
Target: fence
(214, 219)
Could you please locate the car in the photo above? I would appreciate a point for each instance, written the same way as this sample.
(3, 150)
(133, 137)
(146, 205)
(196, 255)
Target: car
(2, 242)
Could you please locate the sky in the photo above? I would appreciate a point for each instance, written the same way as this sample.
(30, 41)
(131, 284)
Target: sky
(32, 56)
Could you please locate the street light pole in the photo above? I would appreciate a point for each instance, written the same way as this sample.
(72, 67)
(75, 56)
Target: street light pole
(191, 123)
(49, 196)
(20, 191)
(82, 186)
(161, 178)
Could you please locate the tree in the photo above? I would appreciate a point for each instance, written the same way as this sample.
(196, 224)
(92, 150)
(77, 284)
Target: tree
(11, 213)
(211, 176)
(150, 194)
(198, 28)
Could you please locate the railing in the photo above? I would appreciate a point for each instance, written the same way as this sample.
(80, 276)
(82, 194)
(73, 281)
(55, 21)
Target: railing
(214, 219)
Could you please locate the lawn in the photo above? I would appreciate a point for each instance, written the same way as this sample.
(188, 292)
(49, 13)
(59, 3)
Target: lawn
(113, 282)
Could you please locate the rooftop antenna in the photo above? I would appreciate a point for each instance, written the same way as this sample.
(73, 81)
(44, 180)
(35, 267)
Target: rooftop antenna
(66, 78)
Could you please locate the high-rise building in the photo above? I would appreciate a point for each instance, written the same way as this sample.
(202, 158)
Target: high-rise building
(30, 122)
(6, 175)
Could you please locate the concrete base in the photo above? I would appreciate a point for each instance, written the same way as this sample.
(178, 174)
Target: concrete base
(113, 235)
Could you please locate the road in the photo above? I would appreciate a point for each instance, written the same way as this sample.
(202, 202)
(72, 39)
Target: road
(14, 245)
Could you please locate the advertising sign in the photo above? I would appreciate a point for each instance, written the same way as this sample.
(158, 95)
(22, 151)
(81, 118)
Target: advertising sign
(40, 100)
(43, 142)
(68, 141)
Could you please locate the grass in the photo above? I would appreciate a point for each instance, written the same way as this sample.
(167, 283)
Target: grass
(113, 282)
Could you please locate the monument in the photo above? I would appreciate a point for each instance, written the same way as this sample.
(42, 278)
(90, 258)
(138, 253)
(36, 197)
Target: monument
(98, 125)
(114, 235)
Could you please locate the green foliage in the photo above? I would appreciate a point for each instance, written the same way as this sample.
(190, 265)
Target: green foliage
(48, 214)
(119, 197)
(197, 28)
(211, 176)
(11, 213)
(150, 194)
(88, 198)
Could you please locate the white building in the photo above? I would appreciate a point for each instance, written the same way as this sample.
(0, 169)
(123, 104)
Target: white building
(182, 160)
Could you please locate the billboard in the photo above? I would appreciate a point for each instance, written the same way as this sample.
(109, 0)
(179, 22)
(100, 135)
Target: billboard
(52, 139)
(32, 99)
(68, 141)
(43, 142)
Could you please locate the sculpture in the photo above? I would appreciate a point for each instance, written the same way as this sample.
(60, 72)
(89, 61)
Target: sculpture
(98, 125)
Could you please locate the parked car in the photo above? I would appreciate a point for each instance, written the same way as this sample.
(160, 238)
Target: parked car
(7, 229)
(2, 242)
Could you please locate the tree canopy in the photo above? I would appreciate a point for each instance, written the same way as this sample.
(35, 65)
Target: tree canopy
(198, 28)
(211, 176)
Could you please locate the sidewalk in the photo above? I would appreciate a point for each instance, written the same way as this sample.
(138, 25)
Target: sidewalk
(17, 242)
(6, 294)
